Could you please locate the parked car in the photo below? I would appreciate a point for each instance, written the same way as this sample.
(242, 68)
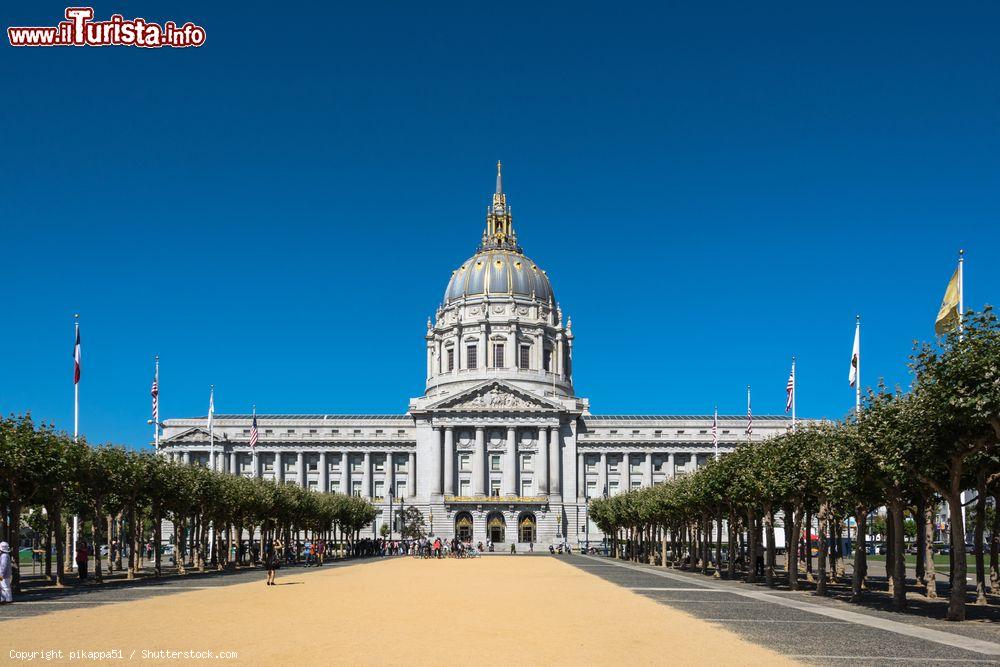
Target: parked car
(942, 548)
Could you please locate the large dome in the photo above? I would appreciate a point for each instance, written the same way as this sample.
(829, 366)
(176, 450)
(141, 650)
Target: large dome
(500, 273)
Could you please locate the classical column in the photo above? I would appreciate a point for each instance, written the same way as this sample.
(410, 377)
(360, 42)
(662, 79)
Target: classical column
(602, 475)
(345, 473)
(436, 461)
(542, 471)
(324, 472)
(390, 478)
(366, 476)
(510, 463)
(187, 458)
(555, 454)
(300, 463)
(449, 461)
(647, 471)
(255, 457)
(479, 462)
(581, 474)
(234, 463)
(411, 474)
(279, 468)
(670, 465)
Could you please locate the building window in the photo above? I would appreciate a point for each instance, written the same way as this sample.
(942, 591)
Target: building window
(313, 464)
(613, 488)
(380, 489)
(334, 486)
(525, 488)
(400, 488)
(313, 484)
(379, 465)
(246, 431)
(356, 463)
(636, 465)
(450, 356)
(290, 431)
(268, 431)
(527, 463)
(591, 463)
(494, 488)
(471, 358)
(335, 431)
(465, 462)
(498, 355)
(495, 462)
(356, 487)
(313, 431)
(547, 359)
(463, 488)
(524, 360)
(592, 489)
(636, 483)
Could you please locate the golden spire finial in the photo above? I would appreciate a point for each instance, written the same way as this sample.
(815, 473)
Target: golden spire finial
(499, 178)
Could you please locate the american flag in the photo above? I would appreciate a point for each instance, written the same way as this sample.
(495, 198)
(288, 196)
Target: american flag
(155, 393)
(715, 429)
(254, 436)
(749, 414)
(77, 357)
(790, 389)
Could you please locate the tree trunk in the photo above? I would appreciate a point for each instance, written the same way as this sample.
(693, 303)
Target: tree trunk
(980, 527)
(753, 546)
(769, 537)
(663, 546)
(995, 547)
(890, 547)
(718, 545)
(48, 549)
(860, 555)
(178, 543)
(60, 564)
(98, 520)
(898, 555)
(930, 576)
(15, 539)
(130, 535)
(824, 549)
(809, 546)
(792, 545)
(920, 517)
(157, 541)
(959, 570)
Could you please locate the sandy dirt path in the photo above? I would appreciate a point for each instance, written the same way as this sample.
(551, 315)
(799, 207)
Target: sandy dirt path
(487, 611)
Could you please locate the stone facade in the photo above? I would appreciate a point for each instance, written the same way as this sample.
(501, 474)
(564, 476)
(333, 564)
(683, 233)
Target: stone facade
(499, 445)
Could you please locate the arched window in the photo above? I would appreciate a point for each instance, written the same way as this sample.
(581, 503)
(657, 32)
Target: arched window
(526, 531)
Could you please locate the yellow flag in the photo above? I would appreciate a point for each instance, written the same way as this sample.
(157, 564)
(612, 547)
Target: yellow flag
(947, 318)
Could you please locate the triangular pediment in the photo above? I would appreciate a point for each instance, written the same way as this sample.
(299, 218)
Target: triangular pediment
(193, 434)
(495, 395)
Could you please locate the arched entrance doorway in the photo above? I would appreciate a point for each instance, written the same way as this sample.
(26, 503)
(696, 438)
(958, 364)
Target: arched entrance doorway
(496, 527)
(463, 526)
(526, 530)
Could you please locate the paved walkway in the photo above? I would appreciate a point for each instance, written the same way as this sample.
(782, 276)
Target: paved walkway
(802, 626)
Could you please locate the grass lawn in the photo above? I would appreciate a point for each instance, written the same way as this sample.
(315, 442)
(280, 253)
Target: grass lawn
(939, 559)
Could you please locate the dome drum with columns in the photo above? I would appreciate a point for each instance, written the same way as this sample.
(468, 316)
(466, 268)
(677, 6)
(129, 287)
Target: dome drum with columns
(499, 446)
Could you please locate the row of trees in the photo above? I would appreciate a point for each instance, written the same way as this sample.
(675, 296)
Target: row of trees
(46, 477)
(908, 452)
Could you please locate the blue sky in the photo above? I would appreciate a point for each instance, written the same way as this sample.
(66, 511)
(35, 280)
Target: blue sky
(712, 187)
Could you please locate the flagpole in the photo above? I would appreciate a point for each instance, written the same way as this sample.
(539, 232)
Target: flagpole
(715, 433)
(156, 413)
(211, 429)
(76, 427)
(749, 417)
(253, 450)
(857, 374)
(795, 387)
(961, 288)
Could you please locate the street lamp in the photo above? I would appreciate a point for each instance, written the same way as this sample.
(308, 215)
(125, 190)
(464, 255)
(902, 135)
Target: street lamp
(605, 540)
(392, 497)
(559, 526)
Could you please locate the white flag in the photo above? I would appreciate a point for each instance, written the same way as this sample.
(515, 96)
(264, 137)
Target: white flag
(211, 408)
(856, 355)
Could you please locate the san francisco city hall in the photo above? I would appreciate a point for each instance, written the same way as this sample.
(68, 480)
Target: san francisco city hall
(499, 447)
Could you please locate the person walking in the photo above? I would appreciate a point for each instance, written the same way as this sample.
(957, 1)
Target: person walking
(272, 564)
(513, 549)
(6, 573)
(82, 557)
